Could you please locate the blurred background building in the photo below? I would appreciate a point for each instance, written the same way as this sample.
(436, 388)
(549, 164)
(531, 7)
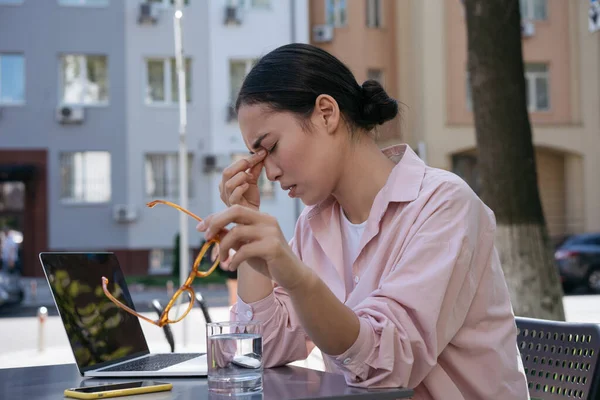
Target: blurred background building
(89, 119)
(89, 112)
(418, 49)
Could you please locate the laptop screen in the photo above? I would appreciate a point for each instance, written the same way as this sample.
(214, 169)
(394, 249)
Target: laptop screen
(98, 330)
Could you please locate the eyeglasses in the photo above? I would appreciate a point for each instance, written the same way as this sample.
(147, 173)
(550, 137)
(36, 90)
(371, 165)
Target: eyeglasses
(172, 315)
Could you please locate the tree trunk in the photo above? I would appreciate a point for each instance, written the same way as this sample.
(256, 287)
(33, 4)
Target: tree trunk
(507, 159)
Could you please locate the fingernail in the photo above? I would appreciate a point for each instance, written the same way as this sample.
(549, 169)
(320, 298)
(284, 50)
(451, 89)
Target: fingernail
(200, 227)
(262, 152)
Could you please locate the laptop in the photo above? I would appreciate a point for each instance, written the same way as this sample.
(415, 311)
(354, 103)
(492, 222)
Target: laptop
(106, 340)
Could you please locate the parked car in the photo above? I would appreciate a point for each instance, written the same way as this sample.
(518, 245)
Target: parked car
(578, 261)
(11, 289)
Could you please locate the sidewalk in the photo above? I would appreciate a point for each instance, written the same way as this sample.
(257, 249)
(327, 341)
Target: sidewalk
(37, 294)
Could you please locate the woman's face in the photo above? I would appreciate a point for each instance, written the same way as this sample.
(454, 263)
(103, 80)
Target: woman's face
(306, 163)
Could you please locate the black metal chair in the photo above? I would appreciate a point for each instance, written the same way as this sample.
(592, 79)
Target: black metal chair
(560, 358)
(158, 308)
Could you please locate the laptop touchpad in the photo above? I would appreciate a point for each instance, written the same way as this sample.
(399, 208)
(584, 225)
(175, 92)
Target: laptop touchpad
(197, 364)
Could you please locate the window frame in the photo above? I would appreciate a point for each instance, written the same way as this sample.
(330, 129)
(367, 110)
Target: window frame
(529, 6)
(374, 14)
(171, 193)
(167, 82)
(14, 103)
(531, 86)
(67, 3)
(83, 68)
(337, 7)
(78, 201)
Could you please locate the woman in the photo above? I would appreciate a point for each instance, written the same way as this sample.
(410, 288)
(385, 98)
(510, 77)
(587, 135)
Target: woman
(392, 271)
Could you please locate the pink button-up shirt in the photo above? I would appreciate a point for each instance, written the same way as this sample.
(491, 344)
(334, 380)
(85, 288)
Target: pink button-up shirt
(429, 291)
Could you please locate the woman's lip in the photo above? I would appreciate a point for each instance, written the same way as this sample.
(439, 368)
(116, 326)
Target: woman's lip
(292, 191)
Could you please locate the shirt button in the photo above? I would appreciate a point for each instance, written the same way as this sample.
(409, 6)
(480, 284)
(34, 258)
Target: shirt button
(249, 314)
(356, 279)
(346, 361)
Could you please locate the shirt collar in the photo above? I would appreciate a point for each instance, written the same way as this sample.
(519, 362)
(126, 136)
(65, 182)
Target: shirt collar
(403, 184)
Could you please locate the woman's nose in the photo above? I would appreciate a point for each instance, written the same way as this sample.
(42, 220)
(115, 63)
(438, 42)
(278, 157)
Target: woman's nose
(272, 170)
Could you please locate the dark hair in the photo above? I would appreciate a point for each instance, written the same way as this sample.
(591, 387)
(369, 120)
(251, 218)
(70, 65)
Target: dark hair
(291, 77)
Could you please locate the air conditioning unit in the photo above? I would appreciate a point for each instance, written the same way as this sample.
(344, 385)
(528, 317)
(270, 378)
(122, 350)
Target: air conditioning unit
(216, 162)
(123, 213)
(70, 114)
(322, 33)
(148, 13)
(231, 114)
(527, 28)
(233, 15)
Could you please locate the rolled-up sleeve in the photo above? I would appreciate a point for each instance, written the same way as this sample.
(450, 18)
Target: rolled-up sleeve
(423, 301)
(284, 339)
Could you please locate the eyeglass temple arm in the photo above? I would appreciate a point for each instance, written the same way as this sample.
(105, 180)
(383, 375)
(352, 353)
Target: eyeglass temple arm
(123, 306)
(168, 203)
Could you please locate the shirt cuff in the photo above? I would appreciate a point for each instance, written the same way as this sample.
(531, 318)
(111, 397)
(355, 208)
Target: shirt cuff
(259, 310)
(354, 359)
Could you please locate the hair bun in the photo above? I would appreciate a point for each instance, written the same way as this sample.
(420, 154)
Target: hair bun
(377, 106)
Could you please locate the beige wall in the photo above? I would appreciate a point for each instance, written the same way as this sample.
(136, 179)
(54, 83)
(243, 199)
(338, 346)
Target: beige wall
(550, 44)
(362, 48)
(426, 46)
(432, 64)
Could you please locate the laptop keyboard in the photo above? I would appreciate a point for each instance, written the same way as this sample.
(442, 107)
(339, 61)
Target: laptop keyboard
(153, 362)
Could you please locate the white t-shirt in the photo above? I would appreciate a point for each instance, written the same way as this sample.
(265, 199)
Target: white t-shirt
(351, 235)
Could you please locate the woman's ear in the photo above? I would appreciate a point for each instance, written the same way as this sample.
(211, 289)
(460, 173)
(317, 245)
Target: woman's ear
(327, 113)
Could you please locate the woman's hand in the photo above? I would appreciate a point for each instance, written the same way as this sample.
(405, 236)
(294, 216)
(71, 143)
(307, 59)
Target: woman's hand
(257, 239)
(239, 184)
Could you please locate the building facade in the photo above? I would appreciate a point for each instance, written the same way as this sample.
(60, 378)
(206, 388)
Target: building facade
(562, 70)
(89, 119)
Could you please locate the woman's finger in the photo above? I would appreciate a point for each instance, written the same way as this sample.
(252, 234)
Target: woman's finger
(243, 165)
(235, 214)
(245, 252)
(255, 172)
(238, 236)
(238, 193)
(237, 180)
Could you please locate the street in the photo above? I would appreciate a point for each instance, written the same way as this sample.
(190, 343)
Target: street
(21, 335)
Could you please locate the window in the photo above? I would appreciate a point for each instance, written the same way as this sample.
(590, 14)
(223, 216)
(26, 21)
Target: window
(162, 175)
(84, 79)
(374, 16)
(261, 3)
(533, 9)
(537, 87)
(12, 79)
(168, 3)
(336, 12)
(163, 83)
(160, 261)
(85, 177)
(238, 69)
(375, 74)
(85, 3)
(265, 186)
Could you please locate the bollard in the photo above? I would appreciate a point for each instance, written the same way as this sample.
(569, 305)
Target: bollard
(170, 288)
(33, 290)
(42, 316)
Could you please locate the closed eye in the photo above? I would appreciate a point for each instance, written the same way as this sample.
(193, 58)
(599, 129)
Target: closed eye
(272, 149)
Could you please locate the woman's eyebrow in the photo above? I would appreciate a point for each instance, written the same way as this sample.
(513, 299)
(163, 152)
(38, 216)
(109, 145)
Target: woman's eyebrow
(257, 142)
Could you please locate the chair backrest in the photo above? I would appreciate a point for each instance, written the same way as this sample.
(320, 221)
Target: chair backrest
(560, 358)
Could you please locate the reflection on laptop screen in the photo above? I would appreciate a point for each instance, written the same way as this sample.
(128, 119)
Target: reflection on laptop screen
(97, 329)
